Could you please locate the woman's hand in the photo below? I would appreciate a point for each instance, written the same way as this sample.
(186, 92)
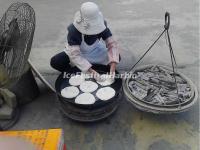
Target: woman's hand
(92, 71)
(112, 68)
(95, 74)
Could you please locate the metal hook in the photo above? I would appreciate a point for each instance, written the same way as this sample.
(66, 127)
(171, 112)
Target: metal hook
(167, 21)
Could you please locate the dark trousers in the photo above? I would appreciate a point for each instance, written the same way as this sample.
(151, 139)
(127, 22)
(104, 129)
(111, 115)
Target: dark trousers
(61, 63)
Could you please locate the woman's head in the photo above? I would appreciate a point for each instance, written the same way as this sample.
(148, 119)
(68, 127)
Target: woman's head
(89, 19)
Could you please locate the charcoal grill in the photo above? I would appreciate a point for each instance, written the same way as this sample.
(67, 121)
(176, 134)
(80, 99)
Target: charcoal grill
(159, 108)
(144, 103)
(88, 113)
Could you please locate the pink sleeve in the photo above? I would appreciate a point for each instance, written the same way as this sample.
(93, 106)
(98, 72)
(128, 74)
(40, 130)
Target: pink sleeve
(113, 50)
(75, 57)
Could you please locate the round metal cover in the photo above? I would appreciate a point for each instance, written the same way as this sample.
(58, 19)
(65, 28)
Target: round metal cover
(152, 88)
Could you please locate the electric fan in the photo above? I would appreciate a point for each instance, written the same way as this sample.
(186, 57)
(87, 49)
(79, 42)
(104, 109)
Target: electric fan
(17, 28)
(16, 34)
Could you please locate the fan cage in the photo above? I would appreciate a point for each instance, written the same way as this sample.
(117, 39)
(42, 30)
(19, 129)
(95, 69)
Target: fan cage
(14, 55)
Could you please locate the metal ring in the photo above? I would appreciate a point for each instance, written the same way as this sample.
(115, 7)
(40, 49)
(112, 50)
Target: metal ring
(167, 20)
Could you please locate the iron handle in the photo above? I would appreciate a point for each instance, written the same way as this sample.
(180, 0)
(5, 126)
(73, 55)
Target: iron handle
(167, 21)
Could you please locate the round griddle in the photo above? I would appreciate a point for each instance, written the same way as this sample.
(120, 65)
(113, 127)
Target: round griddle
(89, 115)
(64, 82)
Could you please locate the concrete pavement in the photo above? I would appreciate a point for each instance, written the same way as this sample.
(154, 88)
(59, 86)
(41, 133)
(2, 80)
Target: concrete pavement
(135, 25)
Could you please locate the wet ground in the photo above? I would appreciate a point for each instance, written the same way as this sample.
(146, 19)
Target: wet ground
(135, 25)
(127, 129)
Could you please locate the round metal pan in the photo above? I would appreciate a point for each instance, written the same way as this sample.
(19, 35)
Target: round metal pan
(63, 82)
(89, 115)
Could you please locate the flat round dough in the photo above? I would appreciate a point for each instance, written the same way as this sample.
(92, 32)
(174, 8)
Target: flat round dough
(105, 93)
(107, 80)
(88, 86)
(76, 80)
(86, 75)
(85, 99)
(70, 92)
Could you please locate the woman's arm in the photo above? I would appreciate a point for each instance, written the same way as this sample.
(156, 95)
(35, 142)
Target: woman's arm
(113, 50)
(113, 53)
(83, 64)
(73, 51)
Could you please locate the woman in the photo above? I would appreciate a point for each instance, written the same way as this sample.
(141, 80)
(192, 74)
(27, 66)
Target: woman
(85, 47)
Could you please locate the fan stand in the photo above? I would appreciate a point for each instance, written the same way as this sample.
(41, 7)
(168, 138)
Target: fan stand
(23, 91)
(26, 88)
(3, 76)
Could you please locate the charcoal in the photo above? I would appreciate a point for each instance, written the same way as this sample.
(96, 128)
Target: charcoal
(157, 100)
(157, 85)
(155, 69)
(137, 91)
(171, 101)
(154, 80)
(143, 76)
(180, 80)
(142, 85)
(150, 95)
